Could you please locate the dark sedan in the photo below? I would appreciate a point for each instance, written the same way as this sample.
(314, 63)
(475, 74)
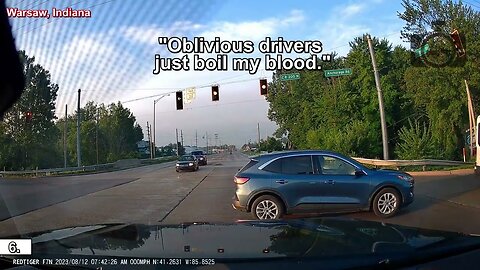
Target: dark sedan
(202, 159)
(272, 185)
(187, 163)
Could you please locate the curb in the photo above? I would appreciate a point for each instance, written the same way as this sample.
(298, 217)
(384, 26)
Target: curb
(444, 173)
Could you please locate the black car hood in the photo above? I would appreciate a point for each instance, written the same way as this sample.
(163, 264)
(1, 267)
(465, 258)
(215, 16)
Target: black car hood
(243, 239)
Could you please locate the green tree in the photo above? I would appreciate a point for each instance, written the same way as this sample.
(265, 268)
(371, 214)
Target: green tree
(271, 144)
(416, 142)
(32, 142)
(341, 113)
(115, 127)
(439, 93)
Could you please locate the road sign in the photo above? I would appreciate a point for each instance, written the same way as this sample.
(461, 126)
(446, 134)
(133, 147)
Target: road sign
(290, 77)
(338, 72)
(422, 50)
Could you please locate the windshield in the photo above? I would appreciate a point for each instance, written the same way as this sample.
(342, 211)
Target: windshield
(186, 158)
(185, 112)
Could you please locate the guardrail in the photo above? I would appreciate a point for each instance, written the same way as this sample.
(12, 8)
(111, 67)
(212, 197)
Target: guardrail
(55, 171)
(121, 164)
(404, 163)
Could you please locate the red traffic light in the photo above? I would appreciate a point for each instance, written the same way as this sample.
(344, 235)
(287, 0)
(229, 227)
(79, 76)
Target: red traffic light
(263, 87)
(28, 116)
(215, 93)
(457, 40)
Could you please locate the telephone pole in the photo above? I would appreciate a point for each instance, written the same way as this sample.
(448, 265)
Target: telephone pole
(151, 142)
(471, 117)
(206, 139)
(380, 100)
(176, 132)
(196, 139)
(96, 134)
(181, 135)
(79, 154)
(258, 132)
(149, 136)
(65, 138)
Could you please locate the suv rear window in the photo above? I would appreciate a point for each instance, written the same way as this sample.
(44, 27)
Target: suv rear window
(249, 164)
(197, 153)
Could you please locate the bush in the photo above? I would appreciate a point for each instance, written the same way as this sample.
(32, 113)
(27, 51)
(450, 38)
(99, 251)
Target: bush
(415, 142)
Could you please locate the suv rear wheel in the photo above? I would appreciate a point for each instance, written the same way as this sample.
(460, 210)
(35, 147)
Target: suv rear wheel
(386, 203)
(267, 207)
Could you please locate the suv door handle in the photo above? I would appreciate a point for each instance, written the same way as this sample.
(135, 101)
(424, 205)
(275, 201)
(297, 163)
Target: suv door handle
(281, 181)
(330, 182)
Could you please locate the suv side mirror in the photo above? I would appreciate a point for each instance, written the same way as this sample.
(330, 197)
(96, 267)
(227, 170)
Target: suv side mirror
(359, 172)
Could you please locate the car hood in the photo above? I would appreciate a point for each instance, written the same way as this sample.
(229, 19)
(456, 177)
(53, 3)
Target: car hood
(243, 239)
(390, 172)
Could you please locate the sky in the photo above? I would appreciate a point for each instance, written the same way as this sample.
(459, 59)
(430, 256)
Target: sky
(110, 56)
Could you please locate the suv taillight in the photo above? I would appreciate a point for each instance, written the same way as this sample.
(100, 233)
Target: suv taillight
(240, 180)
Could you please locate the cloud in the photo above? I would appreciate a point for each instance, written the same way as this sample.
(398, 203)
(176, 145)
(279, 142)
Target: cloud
(252, 30)
(352, 9)
(148, 34)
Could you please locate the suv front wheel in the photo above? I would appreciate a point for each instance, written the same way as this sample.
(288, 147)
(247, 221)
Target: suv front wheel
(267, 207)
(386, 203)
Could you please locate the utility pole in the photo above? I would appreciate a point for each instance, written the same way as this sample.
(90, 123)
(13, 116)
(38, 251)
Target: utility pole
(154, 122)
(79, 153)
(65, 138)
(471, 117)
(380, 100)
(149, 136)
(258, 132)
(176, 132)
(196, 139)
(151, 143)
(181, 135)
(96, 134)
(206, 138)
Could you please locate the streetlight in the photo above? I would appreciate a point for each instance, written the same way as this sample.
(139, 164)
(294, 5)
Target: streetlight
(154, 113)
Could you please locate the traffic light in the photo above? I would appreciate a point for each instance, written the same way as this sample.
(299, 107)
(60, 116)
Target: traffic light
(457, 40)
(263, 87)
(28, 116)
(215, 93)
(179, 96)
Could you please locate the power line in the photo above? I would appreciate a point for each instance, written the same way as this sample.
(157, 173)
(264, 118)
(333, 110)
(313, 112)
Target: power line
(161, 88)
(472, 4)
(222, 104)
(180, 89)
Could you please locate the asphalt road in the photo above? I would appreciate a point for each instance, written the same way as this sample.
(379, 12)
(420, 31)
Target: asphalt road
(157, 194)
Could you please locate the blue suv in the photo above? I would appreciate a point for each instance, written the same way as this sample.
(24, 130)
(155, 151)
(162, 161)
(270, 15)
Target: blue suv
(272, 185)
